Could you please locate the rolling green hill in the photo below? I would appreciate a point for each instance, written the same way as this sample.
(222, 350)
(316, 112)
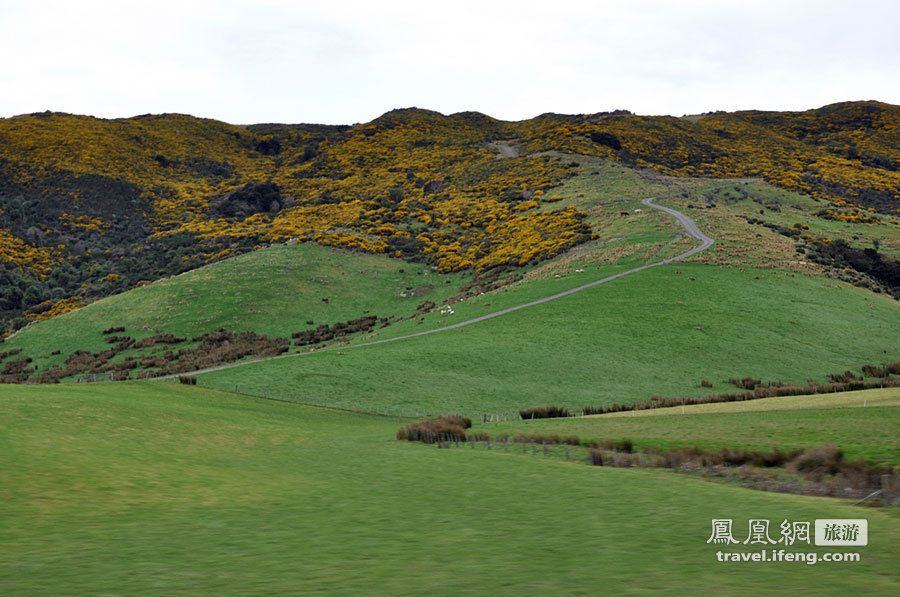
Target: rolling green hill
(275, 292)
(92, 207)
(738, 317)
(657, 332)
(146, 488)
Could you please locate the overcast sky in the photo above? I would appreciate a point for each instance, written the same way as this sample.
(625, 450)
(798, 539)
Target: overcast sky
(342, 62)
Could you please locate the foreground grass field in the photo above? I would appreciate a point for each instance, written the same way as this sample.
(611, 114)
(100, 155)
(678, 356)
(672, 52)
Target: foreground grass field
(150, 488)
(659, 331)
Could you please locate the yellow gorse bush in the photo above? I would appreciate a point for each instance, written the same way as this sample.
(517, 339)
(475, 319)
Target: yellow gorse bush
(19, 253)
(414, 178)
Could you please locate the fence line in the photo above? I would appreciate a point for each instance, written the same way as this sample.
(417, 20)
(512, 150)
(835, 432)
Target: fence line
(411, 412)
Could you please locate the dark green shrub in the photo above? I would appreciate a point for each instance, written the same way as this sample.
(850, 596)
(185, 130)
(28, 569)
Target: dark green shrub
(543, 412)
(874, 371)
(158, 339)
(624, 445)
(747, 383)
(607, 139)
(820, 461)
(845, 377)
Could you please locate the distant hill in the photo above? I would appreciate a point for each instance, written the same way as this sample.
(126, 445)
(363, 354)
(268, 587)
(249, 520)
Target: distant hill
(90, 207)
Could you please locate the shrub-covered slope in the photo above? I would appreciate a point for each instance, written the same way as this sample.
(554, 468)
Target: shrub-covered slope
(89, 207)
(263, 299)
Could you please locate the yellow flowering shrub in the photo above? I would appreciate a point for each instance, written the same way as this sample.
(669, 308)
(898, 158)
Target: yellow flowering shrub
(55, 308)
(26, 257)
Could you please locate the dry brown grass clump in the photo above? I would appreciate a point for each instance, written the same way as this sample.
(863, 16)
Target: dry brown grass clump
(450, 428)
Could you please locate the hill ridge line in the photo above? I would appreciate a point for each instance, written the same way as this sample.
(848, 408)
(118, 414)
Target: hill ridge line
(686, 222)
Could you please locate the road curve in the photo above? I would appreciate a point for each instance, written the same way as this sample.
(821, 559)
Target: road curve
(687, 223)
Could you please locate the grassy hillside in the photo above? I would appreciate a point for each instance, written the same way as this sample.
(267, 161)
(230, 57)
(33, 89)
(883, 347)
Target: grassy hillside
(739, 317)
(275, 292)
(148, 488)
(91, 207)
(660, 331)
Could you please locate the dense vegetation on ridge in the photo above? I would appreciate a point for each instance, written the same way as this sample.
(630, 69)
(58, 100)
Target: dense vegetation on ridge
(90, 207)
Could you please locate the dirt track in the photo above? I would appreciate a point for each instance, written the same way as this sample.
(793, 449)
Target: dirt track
(687, 223)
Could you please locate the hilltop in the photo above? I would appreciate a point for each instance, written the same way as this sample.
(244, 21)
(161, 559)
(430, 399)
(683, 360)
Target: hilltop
(90, 207)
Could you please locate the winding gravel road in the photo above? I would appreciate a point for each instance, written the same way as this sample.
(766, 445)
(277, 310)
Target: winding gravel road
(687, 223)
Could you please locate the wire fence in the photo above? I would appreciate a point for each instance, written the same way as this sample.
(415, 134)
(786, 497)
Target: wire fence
(405, 411)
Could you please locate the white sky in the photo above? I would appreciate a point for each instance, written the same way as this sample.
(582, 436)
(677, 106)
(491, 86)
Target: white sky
(341, 62)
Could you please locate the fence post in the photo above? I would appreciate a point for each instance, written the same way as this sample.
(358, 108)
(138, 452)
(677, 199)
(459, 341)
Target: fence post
(545, 447)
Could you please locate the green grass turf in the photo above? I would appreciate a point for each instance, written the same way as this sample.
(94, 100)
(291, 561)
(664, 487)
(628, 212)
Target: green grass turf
(869, 432)
(149, 489)
(660, 331)
(273, 291)
(601, 182)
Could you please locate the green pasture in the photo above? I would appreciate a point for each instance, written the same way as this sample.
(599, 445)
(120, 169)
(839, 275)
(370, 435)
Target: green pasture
(660, 331)
(149, 488)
